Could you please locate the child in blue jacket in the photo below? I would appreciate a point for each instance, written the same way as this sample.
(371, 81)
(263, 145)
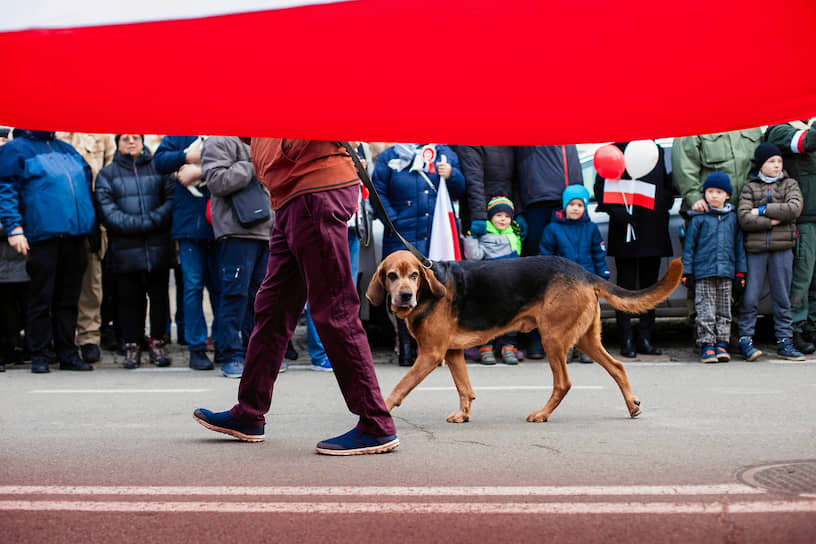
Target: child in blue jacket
(572, 235)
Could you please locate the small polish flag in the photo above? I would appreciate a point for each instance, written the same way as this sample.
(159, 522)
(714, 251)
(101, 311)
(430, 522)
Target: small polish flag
(629, 192)
(444, 235)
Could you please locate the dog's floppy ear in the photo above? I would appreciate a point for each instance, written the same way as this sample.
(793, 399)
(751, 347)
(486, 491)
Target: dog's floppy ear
(436, 287)
(376, 288)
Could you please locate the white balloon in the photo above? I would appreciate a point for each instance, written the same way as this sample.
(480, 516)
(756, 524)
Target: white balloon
(640, 157)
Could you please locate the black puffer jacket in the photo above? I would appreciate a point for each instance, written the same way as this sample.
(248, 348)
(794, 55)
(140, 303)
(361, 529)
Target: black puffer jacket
(135, 203)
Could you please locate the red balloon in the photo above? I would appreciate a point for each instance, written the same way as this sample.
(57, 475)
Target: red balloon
(609, 162)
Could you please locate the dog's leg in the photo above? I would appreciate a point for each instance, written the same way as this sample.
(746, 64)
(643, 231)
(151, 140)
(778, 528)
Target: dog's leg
(458, 369)
(557, 356)
(591, 344)
(425, 363)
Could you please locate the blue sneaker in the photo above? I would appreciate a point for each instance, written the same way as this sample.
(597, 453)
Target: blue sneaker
(785, 350)
(356, 442)
(223, 422)
(284, 367)
(749, 352)
(325, 366)
(233, 369)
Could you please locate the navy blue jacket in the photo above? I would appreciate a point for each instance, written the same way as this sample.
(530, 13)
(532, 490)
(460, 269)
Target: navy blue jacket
(713, 246)
(189, 212)
(541, 173)
(578, 240)
(135, 204)
(409, 201)
(45, 187)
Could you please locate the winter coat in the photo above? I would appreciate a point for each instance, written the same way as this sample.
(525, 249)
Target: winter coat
(713, 247)
(135, 204)
(495, 244)
(189, 211)
(542, 175)
(227, 168)
(798, 146)
(45, 188)
(651, 226)
(783, 201)
(578, 240)
(409, 201)
(489, 171)
(695, 157)
(12, 264)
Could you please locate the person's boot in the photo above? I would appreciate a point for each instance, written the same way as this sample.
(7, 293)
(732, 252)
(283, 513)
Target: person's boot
(628, 347)
(645, 347)
(405, 348)
(801, 343)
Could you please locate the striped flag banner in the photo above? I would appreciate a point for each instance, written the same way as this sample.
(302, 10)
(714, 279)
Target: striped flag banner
(346, 70)
(629, 192)
(444, 245)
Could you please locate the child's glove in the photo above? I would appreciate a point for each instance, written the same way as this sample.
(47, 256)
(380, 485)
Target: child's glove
(478, 228)
(688, 281)
(522, 225)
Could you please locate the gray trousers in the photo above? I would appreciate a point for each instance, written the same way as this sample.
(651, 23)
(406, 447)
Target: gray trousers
(777, 267)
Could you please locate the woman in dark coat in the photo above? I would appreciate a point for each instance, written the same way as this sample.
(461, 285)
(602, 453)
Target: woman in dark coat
(135, 203)
(638, 238)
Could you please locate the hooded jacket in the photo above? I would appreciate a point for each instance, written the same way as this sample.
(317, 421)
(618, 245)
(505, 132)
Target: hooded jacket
(713, 246)
(45, 188)
(578, 240)
(135, 204)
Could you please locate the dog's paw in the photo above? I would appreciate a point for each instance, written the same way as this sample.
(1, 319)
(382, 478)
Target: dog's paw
(458, 417)
(635, 411)
(536, 417)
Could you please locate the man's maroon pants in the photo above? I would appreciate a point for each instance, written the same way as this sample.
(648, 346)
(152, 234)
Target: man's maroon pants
(309, 260)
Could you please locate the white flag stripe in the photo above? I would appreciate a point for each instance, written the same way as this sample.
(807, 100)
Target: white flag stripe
(629, 186)
(61, 14)
(458, 508)
(346, 491)
(441, 247)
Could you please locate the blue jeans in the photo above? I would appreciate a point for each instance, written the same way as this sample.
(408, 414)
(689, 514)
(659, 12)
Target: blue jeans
(199, 269)
(316, 352)
(243, 265)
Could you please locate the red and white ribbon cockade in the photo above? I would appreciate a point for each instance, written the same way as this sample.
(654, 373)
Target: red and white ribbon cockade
(496, 72)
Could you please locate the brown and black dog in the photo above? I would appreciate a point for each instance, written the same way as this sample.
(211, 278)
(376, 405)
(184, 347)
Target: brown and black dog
(459, 304)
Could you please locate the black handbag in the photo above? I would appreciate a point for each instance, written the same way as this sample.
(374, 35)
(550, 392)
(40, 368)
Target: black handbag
(251, 204)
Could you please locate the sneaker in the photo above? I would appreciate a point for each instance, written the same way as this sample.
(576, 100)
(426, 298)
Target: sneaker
(325, 366)
(133, 355)
(785, 350)
(233, 369)
(749, 352)
(722, 352)
(486, 356)
(284, 367)
(708, 354)
(223, 422)
(356, 442)
(508, 354)
(200, 361)
(90, 353)
(158, 355)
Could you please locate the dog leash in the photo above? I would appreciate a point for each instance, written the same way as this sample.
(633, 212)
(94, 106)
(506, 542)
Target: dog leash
(375, 198)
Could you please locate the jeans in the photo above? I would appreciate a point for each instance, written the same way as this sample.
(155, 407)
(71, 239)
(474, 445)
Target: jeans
(309, 258)
(56, 266)
(243, 264)
(199, 269)
(317, 353)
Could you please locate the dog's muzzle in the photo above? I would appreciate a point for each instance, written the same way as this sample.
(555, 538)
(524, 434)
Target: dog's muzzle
(405, 299)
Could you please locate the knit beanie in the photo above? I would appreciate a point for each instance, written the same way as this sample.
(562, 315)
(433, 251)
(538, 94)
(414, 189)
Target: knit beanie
(718, 180)
(575, 191)
(763, 152)
(499, 204)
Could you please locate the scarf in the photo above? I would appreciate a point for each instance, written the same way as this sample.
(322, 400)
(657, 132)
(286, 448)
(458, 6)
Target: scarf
(767, 179)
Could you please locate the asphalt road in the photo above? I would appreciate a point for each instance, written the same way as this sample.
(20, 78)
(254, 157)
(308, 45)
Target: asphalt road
(114, 455)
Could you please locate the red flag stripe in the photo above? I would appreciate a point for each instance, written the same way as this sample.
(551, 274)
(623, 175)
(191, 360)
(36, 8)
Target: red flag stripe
(455, 235)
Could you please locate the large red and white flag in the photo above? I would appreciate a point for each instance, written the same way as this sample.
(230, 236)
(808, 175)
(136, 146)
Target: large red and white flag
(502, 72)
(444, 244)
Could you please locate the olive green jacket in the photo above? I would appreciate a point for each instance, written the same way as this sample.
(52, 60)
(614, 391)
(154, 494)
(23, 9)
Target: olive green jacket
(695, 157)
(797, 142)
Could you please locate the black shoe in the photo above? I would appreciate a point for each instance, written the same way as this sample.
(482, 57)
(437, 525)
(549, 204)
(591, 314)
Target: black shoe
(645, 347)
(200, 361)
(801, 343)
(291, 354)
(75, 363)
(628, 348)
(90, 353)
(39, 367)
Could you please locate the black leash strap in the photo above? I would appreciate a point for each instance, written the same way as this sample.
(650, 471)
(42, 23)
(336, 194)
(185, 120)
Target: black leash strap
(375, 198)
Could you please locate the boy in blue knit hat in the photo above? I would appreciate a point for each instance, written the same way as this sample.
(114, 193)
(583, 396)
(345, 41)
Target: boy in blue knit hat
(571, 234)
(713, 258)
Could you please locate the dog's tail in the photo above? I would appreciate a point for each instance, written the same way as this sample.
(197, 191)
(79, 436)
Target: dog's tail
(637, 302)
